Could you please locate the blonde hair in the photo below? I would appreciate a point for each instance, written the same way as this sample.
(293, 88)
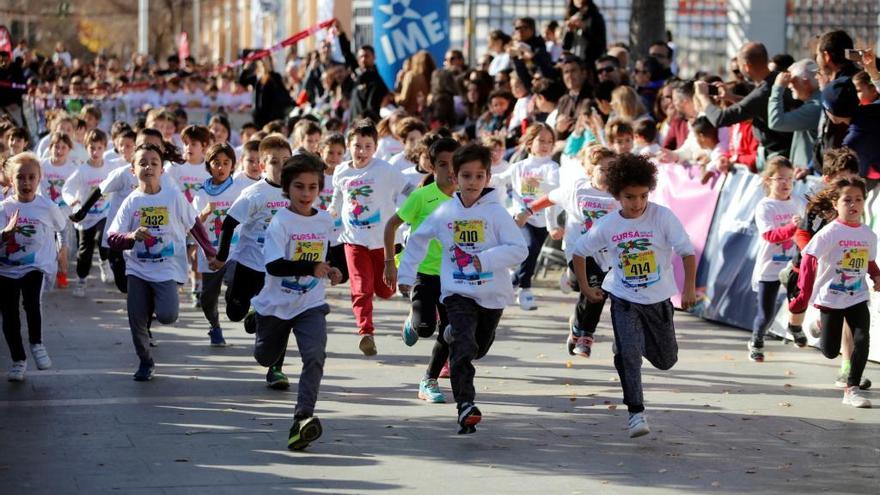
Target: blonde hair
(533, 131)
(626, 103)
(596, 153)
(15, 162)
(771, 168)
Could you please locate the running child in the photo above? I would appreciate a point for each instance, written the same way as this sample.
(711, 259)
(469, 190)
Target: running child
(211, 203)
(777, 217)
(90, 230)
(332, 153)
(28, 257)
(834, 265)
(306, 136)
(293, 299)
(641, 238)
(529, 179)
(251, 170)
(426, 307)
(151, 227)
(56, 170)
(479, 243)
(253, 210)
(364, 192)
(585, 202)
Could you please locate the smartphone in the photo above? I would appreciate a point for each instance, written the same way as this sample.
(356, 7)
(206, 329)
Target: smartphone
(713, 90)
(854, 55)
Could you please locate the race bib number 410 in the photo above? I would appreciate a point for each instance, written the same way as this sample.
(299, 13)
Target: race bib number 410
(469, 232)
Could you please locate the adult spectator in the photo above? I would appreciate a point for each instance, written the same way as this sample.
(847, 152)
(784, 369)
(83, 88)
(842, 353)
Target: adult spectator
(61, 55)
(369, 88)
(551, 41)
(10, 98)
(803, 121)
(577, 99)
(454, 62)
(585, 35)
(863, 125)
(608, 69)
(781, 62)
(664, 54)
(831, 58)
(415, 84)
(271, 98)
(620, 51)
(753, 61)
(684, 111)
(626, 104)
(529, 52)
(498, 44)
(648, 78)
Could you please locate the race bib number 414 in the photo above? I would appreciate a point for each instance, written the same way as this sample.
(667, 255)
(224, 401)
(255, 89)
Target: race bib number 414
(639, 268)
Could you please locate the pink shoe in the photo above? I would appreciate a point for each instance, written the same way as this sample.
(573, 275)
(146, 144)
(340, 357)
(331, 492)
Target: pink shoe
(444, 373)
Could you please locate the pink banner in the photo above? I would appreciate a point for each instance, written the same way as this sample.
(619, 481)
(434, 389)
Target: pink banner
(679, 189)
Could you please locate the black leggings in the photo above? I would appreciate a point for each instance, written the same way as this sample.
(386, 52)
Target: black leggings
(426, 308)
(587, 313)
(117, 264)
(535, 237)
(858, 318)
(29, 289)
(87, 240)
(246, 283)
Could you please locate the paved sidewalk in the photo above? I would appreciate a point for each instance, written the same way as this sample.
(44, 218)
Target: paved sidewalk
(553, 423)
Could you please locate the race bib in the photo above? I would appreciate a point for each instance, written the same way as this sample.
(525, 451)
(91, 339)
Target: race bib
(855, 259)
(639, 268)
(154, 216)
(469, 232)
(529, 188)
(308, 251)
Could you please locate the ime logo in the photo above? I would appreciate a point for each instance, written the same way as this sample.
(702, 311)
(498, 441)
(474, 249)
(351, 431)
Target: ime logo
(408, 27)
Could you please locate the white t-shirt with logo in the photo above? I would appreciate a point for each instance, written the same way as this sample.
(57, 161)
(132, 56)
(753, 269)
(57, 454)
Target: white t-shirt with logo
(642, 250)
(323, 202)
(584, 205)
(32, 246)
(530, 179)
(80, 185)
(364, 199)
(188, 177)
(169, 217)
(214, 223)
(120, 182)
(771, 214)
(254, 209)
(843, 253)
(294, 237)
(53, 179)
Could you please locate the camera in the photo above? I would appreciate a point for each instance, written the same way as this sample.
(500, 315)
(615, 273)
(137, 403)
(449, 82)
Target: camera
(854, 55)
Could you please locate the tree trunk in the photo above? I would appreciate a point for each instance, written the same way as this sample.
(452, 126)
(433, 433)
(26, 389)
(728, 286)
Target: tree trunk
(647, 24)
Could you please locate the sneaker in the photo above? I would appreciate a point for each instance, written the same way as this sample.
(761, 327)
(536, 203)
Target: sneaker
(153, 341)
(144, 372)
(843, 378)
(638, 425)
(815, 330)
(16, 372)
(852, 396)
(41, 357)
(107, 276)
(276, 379)
(408, 334)
(468, 417)
(250, 322)
(565, 282)
(61, 280)
(216, 335)
(196, 299)
(799, 337)
(570, 342)
(368, 345)
(79, 290)
(447, 336)
(429, 391)
(444, 372)
(526, 300)
(303, 432)
(756, 353)
(583, 346)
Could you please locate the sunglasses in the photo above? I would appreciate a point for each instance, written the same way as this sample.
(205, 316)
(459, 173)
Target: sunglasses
(520, 28)
(607, 69)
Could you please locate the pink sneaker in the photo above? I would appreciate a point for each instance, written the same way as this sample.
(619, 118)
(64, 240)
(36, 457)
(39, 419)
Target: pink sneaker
(444, 373)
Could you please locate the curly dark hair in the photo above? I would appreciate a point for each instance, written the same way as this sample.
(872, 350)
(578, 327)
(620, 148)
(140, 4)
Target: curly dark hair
(630, 170)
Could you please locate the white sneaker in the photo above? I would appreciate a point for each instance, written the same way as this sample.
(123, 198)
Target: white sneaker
(815, 330)
(638, 425)
(106, 273)
(564, 284)
(852, 396)
(79, 290)
(526, 300)
(16, 373)
(41, 357)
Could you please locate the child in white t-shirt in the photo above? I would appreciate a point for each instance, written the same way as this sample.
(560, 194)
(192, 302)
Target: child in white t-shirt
(151, 227)
(211, 203)
(585, 201)
(364, 192)
(333, 152)
(56, 169)
(832, 277)
(776, 217)
(641, 237)
(27, 256)
(292, 299)
(251, 170)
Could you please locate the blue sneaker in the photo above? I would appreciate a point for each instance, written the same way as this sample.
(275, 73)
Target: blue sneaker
(429, 391)
(144, 372)
(217, 339)
(408, 334)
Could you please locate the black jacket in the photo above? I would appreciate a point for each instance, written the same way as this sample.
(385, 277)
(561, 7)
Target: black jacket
(271, 99)
(589, 43)
(367, 95)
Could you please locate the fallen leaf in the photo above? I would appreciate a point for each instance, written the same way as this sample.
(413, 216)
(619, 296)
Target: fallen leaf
(568, 364)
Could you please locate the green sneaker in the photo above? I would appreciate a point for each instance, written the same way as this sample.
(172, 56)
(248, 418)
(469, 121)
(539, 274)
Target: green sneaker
(276, 379)
(303, 432)
(429, 391)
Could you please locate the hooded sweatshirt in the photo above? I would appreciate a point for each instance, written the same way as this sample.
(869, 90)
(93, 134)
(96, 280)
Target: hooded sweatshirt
(485, 231)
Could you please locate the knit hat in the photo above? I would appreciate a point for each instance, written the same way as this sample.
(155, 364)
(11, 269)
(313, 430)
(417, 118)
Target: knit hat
(839, 97)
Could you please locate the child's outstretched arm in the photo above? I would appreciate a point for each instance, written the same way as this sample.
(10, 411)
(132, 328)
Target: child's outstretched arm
(389, 274)
(416, 247)
(511, 249)
(806, 279)
(689, 292)
(80, 214)
(226, 233)
(200, 234)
